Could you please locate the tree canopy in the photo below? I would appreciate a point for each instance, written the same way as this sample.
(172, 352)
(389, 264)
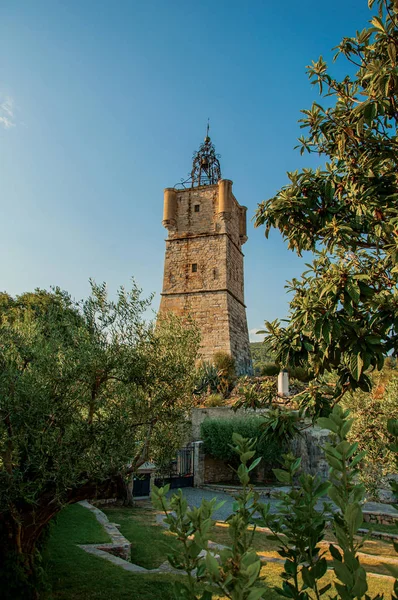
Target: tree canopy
(88, 391)
(343, 314)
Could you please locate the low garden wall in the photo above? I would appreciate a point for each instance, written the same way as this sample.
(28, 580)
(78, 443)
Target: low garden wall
(308, 446)
(216, 470)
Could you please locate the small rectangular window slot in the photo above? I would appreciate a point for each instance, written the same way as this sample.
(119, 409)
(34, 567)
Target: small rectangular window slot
(194, 268)
(197, 207)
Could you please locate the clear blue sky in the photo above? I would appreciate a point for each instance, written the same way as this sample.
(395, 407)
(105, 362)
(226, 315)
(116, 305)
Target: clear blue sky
(102, 104)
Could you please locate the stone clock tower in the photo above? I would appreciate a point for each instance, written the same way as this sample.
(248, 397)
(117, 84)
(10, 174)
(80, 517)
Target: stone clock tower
(203, 270)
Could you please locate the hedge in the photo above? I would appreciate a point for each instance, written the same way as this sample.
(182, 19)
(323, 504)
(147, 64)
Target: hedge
(217, 437)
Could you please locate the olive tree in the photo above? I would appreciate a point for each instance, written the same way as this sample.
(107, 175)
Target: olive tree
(88, 391)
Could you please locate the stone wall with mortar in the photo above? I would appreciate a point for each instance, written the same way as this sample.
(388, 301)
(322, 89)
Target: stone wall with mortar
(234, 270)
(210, 312)
(203, 271)
(216, 471)
(205, 252)
(239, 336)
(191, 222)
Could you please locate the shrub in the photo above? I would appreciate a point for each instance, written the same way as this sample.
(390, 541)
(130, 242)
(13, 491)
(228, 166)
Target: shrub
(214, 400)
(255, 395)
(258, 368)
(225, 366)
(301, 373)
(217, 437)
(369, 430)
(281, 425)
(207, 379)
(270, 369)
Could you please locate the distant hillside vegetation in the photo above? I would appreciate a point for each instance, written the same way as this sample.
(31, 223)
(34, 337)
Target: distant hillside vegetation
(261, 356)
(260, 352)
(264, 363)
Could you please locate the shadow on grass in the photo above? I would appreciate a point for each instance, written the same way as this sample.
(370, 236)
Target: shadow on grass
(75, 575)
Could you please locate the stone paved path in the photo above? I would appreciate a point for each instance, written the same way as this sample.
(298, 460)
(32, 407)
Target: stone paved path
(194, 498)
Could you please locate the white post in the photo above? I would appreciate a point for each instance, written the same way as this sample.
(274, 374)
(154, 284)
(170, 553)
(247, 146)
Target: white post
(283, 383)
(198, 464)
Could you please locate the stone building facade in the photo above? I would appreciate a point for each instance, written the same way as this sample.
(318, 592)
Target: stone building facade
(203, 270)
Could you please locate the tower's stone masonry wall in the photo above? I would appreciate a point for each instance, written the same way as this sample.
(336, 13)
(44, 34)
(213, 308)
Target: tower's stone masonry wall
(210, 312)
(189, 222)
(203, 272)
(234, 270)
(205, 252)
(232, 221)
(239, 336)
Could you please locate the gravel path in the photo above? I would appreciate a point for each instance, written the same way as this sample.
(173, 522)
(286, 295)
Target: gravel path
(194, 497)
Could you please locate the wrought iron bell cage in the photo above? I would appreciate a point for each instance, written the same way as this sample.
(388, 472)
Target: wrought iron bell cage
(206, 169)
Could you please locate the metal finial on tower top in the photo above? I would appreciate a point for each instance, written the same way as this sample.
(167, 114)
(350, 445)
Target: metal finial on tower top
(206, 168)
(207, 138)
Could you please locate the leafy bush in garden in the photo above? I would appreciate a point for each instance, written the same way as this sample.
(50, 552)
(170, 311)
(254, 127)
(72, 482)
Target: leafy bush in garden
(217, 437)
(217, 377)
(207, 379)
(282, 425)
(254, 395)
(225, 365)
(269, 369)
(214, 400)
(226, 369)
(301, 373)
(258, 368)
(369, 430)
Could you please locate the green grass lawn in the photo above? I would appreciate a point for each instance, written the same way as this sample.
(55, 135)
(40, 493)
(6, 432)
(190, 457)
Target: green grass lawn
(74, 574)
(374, 551)
(150, 544)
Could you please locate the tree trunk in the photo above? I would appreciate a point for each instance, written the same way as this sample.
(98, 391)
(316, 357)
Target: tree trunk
(21, 527)
(129, 499)
(20, 579)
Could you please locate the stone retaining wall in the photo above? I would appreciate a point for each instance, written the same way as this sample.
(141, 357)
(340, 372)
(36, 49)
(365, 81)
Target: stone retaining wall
(119, 545)
(379, 517)
(216, 470)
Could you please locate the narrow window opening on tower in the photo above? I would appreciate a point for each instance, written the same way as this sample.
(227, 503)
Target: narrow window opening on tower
(194, 268)
(197, 207)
